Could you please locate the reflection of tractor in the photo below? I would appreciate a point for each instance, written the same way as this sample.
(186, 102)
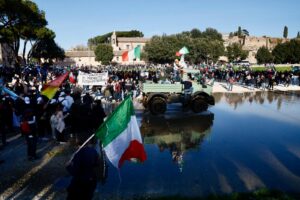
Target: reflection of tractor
(197, 97)
(186, 132)
(176, 134)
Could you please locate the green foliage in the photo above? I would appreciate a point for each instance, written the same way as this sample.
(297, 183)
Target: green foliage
(288, 52)
(212, 34)
(235, 52)
(105, 38)
(285, 32)
(264, 56)
(203, 46)
(283, 68)
(239, 32)
(47, 49)
(278, 68)
(19, 19)
(258, 69)
(195, 33)
(104, 53)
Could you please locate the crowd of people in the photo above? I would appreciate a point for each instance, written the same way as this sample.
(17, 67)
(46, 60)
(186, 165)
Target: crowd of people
(73, 107)
(77, 111)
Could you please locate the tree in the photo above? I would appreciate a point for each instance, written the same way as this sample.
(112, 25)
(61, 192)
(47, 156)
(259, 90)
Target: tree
(196, 33)
(202, 47)
(212, 33)
(19, 19)
(288, 52)
(264, 56)
(285, 32)
(104, 53)
(245, 32)
(239, 32)
(235, 52)
(45, 46)
(298, 35)
(101, 39)
(47, 49)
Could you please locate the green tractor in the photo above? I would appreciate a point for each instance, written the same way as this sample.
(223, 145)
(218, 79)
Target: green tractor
(197, 97)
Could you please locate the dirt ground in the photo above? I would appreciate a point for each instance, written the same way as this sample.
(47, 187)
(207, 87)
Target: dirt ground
(45, 178)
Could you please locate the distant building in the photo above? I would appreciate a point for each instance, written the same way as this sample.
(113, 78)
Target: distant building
(80, 58)
(252, 44)
(123, 44)
(119, 44)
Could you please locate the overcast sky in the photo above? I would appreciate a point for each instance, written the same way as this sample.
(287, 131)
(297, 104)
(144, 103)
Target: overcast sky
(75, 21)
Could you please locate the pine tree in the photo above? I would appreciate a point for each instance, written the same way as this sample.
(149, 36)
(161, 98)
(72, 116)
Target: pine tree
(285, 32)
(239, 33)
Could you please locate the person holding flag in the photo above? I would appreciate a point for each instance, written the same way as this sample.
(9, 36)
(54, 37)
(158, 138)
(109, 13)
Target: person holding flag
(121, 140)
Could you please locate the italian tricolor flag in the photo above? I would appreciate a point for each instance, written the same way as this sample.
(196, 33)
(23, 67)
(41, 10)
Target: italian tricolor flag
(133, 54)
(120, 135)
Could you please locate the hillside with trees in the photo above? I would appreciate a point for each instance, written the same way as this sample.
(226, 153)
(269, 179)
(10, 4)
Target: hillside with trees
(203, 46)
(93, 42)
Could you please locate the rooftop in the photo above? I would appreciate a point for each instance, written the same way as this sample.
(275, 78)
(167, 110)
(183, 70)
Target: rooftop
(133, 39)
(80, 54)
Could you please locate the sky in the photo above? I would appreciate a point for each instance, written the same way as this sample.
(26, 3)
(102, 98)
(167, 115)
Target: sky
(75, 21)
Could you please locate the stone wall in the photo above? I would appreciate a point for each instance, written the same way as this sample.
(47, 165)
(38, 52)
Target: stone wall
(252, 44)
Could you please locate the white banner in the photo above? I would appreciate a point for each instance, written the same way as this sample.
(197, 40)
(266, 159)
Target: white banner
(92, 78)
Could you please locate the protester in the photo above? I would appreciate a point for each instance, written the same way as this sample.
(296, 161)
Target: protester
(83, 170)
(28, 129)
(60, 124)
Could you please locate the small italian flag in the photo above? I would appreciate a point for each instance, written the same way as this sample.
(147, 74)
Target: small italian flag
(121, 137)
(183, 51)
(132, 54)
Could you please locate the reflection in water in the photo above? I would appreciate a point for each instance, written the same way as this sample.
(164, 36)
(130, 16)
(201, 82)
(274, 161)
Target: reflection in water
(236, 99)
(176, 134)
(256, 144)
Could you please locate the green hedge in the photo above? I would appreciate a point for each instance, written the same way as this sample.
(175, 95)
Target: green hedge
(278, 68)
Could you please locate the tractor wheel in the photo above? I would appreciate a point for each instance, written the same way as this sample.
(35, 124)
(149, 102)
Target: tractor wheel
(158, 106)
(199, 105)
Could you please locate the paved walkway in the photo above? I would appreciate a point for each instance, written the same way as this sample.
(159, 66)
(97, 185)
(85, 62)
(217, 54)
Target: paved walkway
(221, 87)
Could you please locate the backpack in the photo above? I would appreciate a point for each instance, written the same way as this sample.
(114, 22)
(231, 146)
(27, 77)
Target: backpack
(25, 128)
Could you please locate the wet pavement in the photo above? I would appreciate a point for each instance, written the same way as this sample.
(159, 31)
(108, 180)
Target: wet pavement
(245, 142)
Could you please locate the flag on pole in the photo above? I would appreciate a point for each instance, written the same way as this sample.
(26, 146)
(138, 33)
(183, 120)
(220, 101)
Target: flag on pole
(184, 51)
(13, 95)
(120, 135)
(49, 89)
